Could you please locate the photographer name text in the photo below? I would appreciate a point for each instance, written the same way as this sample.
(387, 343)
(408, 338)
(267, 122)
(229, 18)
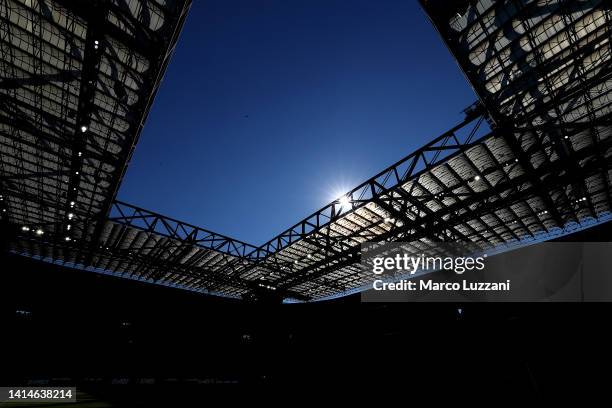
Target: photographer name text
(431, 285)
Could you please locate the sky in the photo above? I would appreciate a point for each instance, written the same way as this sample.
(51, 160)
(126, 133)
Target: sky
(271, 109)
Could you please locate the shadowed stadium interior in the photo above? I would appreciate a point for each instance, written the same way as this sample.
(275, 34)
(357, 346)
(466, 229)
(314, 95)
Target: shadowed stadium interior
(129, 341)
(531, 161)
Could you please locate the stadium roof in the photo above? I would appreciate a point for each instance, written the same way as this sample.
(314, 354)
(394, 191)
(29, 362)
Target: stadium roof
(531, 159)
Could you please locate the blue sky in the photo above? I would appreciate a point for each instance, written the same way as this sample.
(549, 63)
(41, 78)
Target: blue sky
(271, 109)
